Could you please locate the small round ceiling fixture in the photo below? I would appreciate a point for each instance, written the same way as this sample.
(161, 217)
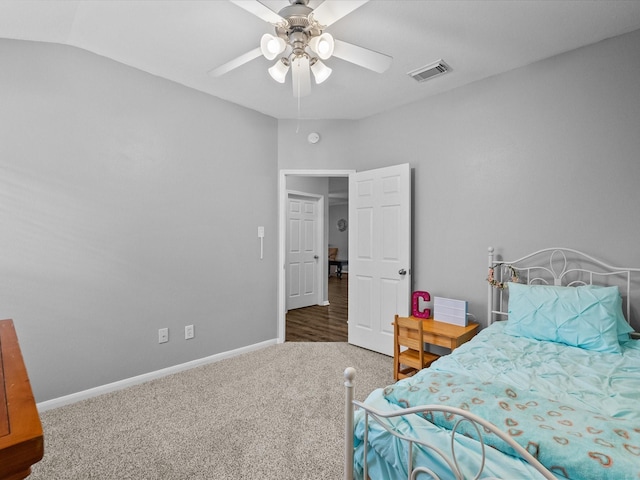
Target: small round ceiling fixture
(314, 137)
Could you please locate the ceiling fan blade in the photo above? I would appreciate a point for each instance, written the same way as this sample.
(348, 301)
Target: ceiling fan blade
(236, 62)
(259, 10)
(378, 62)
(330, 11)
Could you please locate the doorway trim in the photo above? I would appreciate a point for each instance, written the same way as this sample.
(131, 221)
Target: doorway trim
(282, 231)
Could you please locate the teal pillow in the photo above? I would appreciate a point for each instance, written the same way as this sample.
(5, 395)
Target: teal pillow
(622, 326)
(586, 317)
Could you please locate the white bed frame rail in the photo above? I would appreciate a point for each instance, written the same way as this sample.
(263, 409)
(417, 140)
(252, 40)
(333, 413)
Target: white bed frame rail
(556, 266)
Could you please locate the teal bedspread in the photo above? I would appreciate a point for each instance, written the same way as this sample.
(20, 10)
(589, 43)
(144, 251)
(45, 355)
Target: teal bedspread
(577, 411)
(569, 441)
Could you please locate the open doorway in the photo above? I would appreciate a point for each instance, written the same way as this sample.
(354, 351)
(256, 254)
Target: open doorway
(326, 321)
(323, 321)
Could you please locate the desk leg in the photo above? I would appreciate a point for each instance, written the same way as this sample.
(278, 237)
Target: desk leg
(339, 270)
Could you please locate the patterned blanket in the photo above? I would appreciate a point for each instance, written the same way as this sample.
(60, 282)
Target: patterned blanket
(575, 443)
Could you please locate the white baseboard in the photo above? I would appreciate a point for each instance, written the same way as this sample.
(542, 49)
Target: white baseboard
(128, 382)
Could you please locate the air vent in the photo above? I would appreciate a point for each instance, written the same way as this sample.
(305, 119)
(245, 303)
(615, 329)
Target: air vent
(429, 71)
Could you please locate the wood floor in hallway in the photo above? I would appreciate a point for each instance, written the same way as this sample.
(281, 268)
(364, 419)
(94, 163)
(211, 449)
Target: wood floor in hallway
(321, 324)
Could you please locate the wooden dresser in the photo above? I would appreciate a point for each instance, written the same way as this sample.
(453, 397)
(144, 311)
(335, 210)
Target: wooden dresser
(21, 439)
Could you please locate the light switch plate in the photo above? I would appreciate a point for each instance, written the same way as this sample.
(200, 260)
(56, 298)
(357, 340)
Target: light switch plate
(189, 332)
(163, 335)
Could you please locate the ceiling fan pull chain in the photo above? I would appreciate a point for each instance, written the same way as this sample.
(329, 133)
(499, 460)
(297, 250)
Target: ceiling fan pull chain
(298, 125)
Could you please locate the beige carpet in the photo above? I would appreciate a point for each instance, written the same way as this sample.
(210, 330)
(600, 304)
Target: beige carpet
(272, 414)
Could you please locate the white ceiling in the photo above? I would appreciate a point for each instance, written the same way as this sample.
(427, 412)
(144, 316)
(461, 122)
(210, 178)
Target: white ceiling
(183, 39)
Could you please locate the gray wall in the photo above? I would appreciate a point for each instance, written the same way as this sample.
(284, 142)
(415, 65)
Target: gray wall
(123, 205)
(128, 203)
(546, 155)
(338, 148)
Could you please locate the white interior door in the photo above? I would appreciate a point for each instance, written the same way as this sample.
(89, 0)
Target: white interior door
(303, 251)
(379, 254)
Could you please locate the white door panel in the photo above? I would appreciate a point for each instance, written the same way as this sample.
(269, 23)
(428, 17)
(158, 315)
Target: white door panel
(379, 251)
(303, 251)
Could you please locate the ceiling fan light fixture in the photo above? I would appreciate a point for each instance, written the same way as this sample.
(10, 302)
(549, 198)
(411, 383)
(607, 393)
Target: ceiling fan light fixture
(279, 70)
(271, 46)
(320, 71)
(323, 45)
(299, 43)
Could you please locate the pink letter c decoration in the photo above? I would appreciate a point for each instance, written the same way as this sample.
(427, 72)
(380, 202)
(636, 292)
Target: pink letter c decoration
(426, 313)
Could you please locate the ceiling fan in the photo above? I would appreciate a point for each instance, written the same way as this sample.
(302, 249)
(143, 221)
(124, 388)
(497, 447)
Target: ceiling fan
(300, 43)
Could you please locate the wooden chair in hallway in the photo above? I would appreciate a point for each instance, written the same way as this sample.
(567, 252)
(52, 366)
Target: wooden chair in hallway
(408, 350)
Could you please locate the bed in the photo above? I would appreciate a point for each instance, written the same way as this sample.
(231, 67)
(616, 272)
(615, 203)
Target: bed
(549, 389)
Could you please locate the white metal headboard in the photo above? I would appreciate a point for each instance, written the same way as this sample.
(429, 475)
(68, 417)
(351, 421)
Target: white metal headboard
(555, 266)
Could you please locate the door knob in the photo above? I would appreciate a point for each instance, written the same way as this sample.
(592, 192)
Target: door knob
(402, 271)
(316, 257)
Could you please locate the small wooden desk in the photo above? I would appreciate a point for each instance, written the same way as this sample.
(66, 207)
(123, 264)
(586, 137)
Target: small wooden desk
(443, 335)
(447, 335)
(21, 439)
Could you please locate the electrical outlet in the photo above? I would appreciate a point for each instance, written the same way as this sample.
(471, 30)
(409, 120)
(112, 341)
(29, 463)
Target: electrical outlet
(189, 332)
(163, 335)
